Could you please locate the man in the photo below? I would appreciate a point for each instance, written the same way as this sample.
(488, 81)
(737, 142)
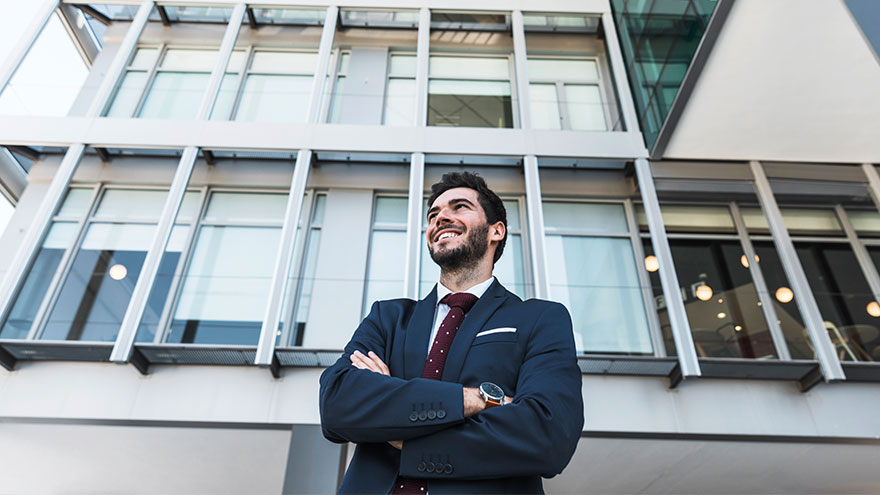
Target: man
(470, 390)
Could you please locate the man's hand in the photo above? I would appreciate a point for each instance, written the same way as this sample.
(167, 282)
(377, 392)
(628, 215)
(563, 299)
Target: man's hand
(370, 361)
(474, 402)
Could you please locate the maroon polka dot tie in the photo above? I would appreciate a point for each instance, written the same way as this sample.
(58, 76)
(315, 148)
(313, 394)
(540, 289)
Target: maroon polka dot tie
(459, 304)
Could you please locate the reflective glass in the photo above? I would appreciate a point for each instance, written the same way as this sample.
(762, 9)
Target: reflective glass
(596, 279)
(189, 60)
(468, 67)
(307, 274)
(402, 65)
(562, 69)
(385, 272)
(865, 222)
(175, 95)
(225, 98)
(158, 298)
(399, 102)
(585, 217)
(470, 104)
(128, 95)
(284, 62)
(275, 99)
(692, 219)
(130, 204)
(391, 211)
(76, 203)
(544, 106)
(144, 58)
(246, 207)
(586, 112)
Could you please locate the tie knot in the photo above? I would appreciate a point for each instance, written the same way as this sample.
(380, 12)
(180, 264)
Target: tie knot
(462, 300)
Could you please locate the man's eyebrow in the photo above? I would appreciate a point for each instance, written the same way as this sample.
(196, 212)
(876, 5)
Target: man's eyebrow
(451, 202)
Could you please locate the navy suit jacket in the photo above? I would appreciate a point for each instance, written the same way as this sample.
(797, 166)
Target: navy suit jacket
(504, 449)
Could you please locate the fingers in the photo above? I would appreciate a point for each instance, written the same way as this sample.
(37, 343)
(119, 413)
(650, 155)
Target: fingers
(370, 362)
(397, 444)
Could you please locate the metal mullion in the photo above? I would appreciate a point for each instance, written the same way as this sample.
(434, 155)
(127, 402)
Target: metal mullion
(333, 67)
(537, 241)
(124, 344)
(295, 277)
(806, 301)
(654, 328)
(520, 81)
(181, 269)
(324, 49)
(618, 72)
(864, 259)
(224, 53)
(415, 205)
(603, 93)
(265, 355)
(239, 84)
(562, 108)
(583, 233)
(700, 236)
(64, 267)
(523, 232)
(243, 223)
(761, 288)
(151, 76)
(680, 326)
(26, 41)
(421, 77)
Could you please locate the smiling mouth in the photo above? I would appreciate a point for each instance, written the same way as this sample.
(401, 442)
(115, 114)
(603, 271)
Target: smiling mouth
(447, 235)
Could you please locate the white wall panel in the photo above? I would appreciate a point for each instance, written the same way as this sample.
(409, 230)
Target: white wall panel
(788, 80)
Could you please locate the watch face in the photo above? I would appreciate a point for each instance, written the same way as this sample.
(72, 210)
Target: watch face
(491, 390)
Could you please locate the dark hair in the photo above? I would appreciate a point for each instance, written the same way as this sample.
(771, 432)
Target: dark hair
(489, 201)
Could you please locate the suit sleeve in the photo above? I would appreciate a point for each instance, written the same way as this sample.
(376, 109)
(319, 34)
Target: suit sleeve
(534, 435)
(363, 406)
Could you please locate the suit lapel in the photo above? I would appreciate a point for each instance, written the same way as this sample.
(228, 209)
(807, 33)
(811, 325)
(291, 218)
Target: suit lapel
(418, 331)
(472, 324)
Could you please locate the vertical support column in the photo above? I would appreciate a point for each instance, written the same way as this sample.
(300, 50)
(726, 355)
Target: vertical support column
(324, 51)
(225, 52)
(284, 259)
(873, 182)
(520, 62)
(767, 308)
(618, 70)
(828, 361)
(644, 282)
(122, 349)
(414, 226)
(681, 330)
(39, 227)
(14, 57)
(861, 253)
(422, 58)
(537, 242)
(120, 60)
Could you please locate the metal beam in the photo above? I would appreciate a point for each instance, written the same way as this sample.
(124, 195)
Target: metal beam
(163, 14)
(644, 281)
(209, 97)
(618, 71)
(520, 63)
(137, 304)
(95, 13)
(16, 55)
(39, 226)
(80, 33)
(680, 327)
(804, 298)
(873, 182)
(324, 52)
(537, 242)
(423, 48)
(120, 60)
(414, 226)
(284, 260)
(861, 253)
(13, 178)
(764, 296)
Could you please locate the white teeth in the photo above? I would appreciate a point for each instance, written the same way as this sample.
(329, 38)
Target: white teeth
(446, 235)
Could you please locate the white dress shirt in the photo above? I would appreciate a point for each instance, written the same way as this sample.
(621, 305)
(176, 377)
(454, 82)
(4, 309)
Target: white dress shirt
(442, 309)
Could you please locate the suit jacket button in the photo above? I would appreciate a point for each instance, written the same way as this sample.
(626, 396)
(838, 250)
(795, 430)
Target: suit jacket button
(421, 467)
(441, 413)
(447, 469)
(430, 467)
(432, 414)
(423, 416)
(414, 416)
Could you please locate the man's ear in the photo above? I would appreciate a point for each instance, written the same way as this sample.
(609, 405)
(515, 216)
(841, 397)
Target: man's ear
(497, 231)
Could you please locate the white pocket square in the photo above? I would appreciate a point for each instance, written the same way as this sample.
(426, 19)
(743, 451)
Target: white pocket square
(495, 330)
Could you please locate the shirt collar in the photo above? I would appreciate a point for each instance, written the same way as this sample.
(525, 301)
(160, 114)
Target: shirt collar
(477, 290)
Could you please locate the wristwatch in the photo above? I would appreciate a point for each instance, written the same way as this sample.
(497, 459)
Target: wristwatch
(492, 394)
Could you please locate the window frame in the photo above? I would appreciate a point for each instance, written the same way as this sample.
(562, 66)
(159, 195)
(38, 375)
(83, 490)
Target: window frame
(561, 94)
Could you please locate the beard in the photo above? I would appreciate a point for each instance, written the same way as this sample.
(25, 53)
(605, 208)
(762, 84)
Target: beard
(467, 254)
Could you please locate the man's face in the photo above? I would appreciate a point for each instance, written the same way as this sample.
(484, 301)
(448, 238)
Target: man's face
(457, 229)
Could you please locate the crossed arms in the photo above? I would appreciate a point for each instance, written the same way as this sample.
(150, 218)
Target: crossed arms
(535, 434)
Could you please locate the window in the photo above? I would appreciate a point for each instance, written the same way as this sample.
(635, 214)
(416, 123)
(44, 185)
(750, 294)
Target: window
(94, 295)
(339, 88)
(509, 269)
(223, 295)
(565, 94)
(385, 267)
(592, 270)
(400, 91)
(469, 91)
(277, 87)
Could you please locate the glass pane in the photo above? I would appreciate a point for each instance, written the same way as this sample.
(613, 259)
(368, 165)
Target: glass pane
(545, 106)
(144, 58)
(450, 87)
(36, 285)
(595, 278)
(246, 207)
(128, 95)
(402, 65)
(461, 110)
(390, 211)
(285, 62)
(275, 99)
(175, 95)
(310, 264)
(691, 218)
(865, 222)
(468, 67)
(224, 293)
(189, 60)
(336, 101)
(563, 70)
(720, 299)
(803, 220)
(585, 217)
(586, 112)
(844, 298)
(512, 208)
(318, 216)
(343, 63)
(76, 203)
(94, 297)
(385, 271)
(131, 204)
(158, 298)
(225, 98)
(399, 102)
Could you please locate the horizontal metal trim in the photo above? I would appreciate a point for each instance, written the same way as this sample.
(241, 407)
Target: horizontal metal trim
(626, 365)
(752, 369)
(729, 437)
(147, 423)
(861, 372)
